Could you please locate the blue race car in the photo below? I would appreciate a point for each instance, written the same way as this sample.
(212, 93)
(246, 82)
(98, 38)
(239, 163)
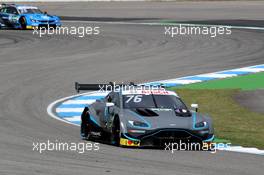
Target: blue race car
(26, 17)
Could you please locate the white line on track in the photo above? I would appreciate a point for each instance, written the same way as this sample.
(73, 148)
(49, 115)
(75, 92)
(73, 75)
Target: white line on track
(50, 107)
(78, 102)
(244, 150)
(69, 109)
(162, 24)
(73, 119)
(250, 69)
(182, 81)
(213, 75)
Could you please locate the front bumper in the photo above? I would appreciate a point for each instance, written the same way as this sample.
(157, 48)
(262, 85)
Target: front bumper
(163, 136)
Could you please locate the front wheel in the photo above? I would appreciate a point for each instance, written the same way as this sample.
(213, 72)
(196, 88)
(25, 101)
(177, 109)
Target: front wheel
(23, 23)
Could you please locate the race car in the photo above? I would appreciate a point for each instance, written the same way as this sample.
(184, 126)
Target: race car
(26, 17)
(142, 116)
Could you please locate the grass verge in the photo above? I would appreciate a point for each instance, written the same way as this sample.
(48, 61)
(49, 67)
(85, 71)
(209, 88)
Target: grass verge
(231, 121)
(246, 82)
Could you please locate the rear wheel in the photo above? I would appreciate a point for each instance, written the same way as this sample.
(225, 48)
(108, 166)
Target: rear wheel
(23, 23)
(115, 135)
(85, 124)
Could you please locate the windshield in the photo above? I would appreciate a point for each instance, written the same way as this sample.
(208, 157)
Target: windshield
(153, 101)
(30, 11)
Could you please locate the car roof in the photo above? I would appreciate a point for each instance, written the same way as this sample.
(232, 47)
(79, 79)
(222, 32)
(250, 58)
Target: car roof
(19, 6)
(26, 6)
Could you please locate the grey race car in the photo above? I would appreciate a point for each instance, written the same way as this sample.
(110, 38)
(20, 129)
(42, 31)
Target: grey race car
(143, 116)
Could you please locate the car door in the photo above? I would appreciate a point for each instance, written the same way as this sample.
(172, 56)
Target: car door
(110, 112)
(100, 110)
(108, 99)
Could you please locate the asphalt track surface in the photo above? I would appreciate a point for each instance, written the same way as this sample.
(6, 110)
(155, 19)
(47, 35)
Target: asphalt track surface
(36, 71)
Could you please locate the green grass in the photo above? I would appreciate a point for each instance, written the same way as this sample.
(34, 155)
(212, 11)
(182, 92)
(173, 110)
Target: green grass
(231, 121)
(246, 82)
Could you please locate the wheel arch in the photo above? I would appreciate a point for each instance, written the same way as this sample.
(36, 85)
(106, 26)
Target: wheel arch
(116, 118)
(23, 16)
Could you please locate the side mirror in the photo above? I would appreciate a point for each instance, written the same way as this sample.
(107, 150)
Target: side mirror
(110, 104)
(195, 107)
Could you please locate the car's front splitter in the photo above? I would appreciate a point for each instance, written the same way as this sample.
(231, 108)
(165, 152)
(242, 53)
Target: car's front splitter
(152, 140)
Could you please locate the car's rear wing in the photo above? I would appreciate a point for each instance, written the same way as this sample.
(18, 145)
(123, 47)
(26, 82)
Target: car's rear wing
(107, 87)
(102, 87)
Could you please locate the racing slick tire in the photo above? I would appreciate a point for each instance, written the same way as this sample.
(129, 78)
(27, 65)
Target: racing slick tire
(115, 134)
(85, 124)
(23, 23)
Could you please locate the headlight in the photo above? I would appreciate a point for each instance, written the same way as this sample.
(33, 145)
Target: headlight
(138, 123)
(200, 125)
